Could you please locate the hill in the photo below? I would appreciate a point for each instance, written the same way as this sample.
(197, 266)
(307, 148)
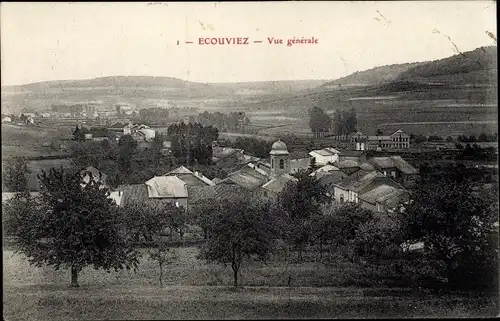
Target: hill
(473, 67)
(143, 91)
(106, 82)
(373, 76)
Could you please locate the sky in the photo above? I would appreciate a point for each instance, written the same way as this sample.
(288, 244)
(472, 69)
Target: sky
(57, 41)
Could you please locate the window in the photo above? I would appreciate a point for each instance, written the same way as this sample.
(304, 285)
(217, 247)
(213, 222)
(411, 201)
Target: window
(177, 204)
(282, 164)
(341, 198)
(272, 162)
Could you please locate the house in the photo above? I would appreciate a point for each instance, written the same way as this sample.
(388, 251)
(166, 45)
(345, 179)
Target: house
(329, 179)
(324, 170)
(229, 157)
(371, 189)
(190, 178)
(275, 186)
(139, 132)
(299, 161)
(180, 187)
(348, 165)
(250, 178)
(397, 168)
(383, 198)
(97, 176)
(230, 191)
(325, 155)
(348, 189)
(168, 188)
(6, 119)
(397, 140)
(138, 194)
(29, 118)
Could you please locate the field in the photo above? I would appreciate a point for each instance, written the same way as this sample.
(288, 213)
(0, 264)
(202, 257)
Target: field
(441, 117)
(194, 289)
(28, 141)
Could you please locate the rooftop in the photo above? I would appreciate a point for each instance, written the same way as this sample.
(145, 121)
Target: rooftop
(384, 194)
(393, 161)
(166, 187)
(324, 169)
(278, 183)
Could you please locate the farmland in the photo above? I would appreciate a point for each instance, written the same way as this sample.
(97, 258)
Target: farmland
(194, 289)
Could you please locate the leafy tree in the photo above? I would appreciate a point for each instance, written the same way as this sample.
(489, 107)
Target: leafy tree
(455, 223)
(253, 146)
(323, 231)
(378, 234)
(351, 121)
(163, 255)
(128, 146)
(72, 224)
(449, 139)
(192, 143)
(14, 174)
(346, 220)
(240, 228)
(302, 200)
(147, 220)
(201, 215)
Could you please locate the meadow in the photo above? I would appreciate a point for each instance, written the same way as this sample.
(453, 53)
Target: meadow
(195, 289)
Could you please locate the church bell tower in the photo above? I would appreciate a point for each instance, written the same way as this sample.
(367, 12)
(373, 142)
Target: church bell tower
(280, 159)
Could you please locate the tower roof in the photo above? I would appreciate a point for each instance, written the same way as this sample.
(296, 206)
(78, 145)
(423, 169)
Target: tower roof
(279, 148)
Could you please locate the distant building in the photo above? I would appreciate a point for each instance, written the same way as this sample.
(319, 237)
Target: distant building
(325, 155)
(396, 168)
(6, 120)
(398, 140)
(139, 132)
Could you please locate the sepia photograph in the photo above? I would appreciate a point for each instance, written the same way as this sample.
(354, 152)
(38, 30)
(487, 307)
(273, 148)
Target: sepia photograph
(249, 160)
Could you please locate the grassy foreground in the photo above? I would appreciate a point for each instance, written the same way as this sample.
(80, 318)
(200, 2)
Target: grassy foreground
(195, 290)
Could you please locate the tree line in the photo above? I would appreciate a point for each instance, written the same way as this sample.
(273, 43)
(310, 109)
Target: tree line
(231, 122)
(192, 143)
(342, 123)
